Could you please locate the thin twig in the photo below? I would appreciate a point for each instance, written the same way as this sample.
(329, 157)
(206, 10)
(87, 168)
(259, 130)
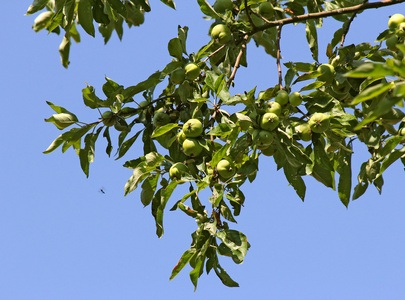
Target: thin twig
(325, 14)
(347, 27)
(248, 14)
(215, 52)
(237, 62)
(280, 75)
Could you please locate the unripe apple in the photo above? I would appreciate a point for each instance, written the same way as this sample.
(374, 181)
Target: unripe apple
(295, 99)
(191, 147)
(160, 119)
(193, 128)
(401, 29)
(221, 6)
(192, 71)
(222, 33)
(270, 150)
(282, 97)
(143, 103)
(319, 122)
(263, 138)
(273, 107)
(266, 10)
(108, 118)
(401, 131)
(395, 20)
(178, 76)
(304, 131)
(392, 42)
(177, 171)
(181, 137)
(269, 121)
(225, 168)
(327, 73)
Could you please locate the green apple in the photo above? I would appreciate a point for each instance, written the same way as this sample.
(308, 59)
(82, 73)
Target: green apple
(304, 131)
(263, 138)
(193, 128)
(181, 137)
(108, 118)
(269, 121)
(270, 150)
(160, 119)
(327, 72)
(395, 20)
(178, 76)
(319, 122)
(221, 33)
(266, 10)
(282, 97)
(392, 42)
(191, 147)
(401, 29)
(295, 99)
(143, 103)
(401, 131)
(225, 168)
(221, 6)
(177, 171)
(192, 71)
(273, 107)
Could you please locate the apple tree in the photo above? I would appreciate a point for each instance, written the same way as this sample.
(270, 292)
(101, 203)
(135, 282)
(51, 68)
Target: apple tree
(196, 133)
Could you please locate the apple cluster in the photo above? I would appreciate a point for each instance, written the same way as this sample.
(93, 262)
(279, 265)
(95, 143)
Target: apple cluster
(396, 25)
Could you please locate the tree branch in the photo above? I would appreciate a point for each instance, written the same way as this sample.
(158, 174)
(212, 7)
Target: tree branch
(347, 27)
(325, 14)
(237, 62)
(280, 74)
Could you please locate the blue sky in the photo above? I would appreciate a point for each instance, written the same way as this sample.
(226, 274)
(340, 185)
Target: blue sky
(60, 238)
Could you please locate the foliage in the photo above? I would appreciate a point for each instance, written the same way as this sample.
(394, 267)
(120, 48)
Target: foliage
(355, 97)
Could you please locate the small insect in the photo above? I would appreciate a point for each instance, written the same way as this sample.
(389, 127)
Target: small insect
(102, 190)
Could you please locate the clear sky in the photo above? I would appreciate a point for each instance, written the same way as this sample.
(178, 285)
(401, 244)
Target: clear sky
(60, 238)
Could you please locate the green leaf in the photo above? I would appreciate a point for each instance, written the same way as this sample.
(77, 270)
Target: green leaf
(175, 48)
(391, 158)
(109, 147)
(58, 109)
(185, 258)
(344, 170)
(89, 97)
(127, 145)
(236, 241)
(295, 180)
(118, 6)
(372, 92)
(58, 141)
(312, 86)
(62, 120)
(152, 81)
(139, 174)
(226, 212)
(148, 189)
(85, 16)
(225, 278)
(169, 3)
(373, 70)
(37, 5)
(207, 9)
(164, 129)
(312, 38)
